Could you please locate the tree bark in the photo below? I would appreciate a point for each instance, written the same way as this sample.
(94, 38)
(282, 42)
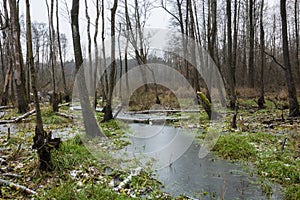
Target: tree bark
(261, 100)
(251, 48)
(96, 52)
(6, 45)
(108, 109)
(66, 92)
(229, 58)
(42, 140)
(90, 122)
(293, 102)
(89, 60)
(19, 75)
(297, 39)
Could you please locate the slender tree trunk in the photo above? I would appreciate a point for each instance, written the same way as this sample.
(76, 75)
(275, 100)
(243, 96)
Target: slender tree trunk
(90, 122)
(66, 92)
(120, 60)
(8, 75)
(96, 51)
(19, 74)
(42, 140)
(126, 60)
(297, 39)
(108, 109)
(293, 102)
(261, 100)
(229, 58)
(6, 46)
(251, 48)
(54, 96)
(89, 60)
(105, 78)
(2, 63)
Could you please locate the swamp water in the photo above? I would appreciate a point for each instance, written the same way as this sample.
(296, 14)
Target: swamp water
(206, 178)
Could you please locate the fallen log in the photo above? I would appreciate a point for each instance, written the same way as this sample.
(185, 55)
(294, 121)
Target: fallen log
(65, 115)
(6, 107)
(17, 119)
(135, 172)
(152, 120)
(161, 111)
(64, 104)
(17, 186)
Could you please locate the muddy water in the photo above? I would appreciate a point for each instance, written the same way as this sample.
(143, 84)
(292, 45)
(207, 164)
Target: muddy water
(207, 178)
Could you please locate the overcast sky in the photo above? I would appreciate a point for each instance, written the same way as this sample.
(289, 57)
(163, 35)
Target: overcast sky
(158, 18)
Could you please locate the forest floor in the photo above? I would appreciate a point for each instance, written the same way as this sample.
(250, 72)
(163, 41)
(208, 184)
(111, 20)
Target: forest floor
(265, 139)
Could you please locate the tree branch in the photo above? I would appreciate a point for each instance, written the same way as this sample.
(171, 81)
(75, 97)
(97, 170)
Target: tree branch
(17, 186)
(275, 60)
(165, 8)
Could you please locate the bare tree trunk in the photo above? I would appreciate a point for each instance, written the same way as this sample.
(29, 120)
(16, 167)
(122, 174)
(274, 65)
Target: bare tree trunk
(89, 60)
(42, 140)
(90, 122)
(96, 51)
(66, 92)
(54, 96)
(108, 109)
(297, 39)
(229, 59)
(105, 78)
(120, 60)
(293, 102)
(251, 48)
(261, 100)
(126, 60)
(6, 45)
(2, 63)
(19, 74)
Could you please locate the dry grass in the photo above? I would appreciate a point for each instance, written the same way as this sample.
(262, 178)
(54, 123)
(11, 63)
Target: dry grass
(247, 93)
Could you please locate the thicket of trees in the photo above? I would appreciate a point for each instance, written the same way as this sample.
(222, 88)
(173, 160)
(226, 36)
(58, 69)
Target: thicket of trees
(250, 43)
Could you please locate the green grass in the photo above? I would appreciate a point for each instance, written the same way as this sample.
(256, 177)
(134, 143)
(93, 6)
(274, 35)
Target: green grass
(264, 150)
(90, 182)
(234, 147)
(73, 191)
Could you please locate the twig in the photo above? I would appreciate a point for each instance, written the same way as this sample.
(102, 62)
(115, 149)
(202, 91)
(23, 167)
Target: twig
(17, 186)
(275, 60)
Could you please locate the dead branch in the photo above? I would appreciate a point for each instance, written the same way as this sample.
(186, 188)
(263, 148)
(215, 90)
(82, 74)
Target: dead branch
(161, 111)
(12, 175)
(152, 120)
(18, 119)
(65, 115)
(64, 104)
(119, 110)
(17, 186)
(6, 107)
(135, 172)
(275, 60)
